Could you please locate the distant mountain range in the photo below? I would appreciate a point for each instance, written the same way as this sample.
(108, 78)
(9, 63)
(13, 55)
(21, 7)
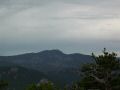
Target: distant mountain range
(53, 64)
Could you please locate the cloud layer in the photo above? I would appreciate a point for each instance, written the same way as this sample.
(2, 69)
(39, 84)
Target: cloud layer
(70, 25)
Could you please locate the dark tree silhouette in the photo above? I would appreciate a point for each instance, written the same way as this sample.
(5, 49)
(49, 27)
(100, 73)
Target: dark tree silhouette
(3, 85)
(103, 73)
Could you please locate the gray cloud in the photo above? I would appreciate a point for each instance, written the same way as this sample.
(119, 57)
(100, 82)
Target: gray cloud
(69, 25)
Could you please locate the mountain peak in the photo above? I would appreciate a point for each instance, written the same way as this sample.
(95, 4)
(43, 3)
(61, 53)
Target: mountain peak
(54, 51)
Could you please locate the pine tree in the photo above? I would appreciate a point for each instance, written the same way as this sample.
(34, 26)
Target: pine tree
(103, 73)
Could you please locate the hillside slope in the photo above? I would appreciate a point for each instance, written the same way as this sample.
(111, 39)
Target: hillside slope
(60, 68)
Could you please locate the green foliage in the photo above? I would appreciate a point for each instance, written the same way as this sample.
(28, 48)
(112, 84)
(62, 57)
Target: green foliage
(47, 85)
(103, 73)
(3, 85)
(32, 87)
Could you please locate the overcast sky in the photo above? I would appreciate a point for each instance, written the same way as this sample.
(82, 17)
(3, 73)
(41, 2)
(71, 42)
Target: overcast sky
(81, 26)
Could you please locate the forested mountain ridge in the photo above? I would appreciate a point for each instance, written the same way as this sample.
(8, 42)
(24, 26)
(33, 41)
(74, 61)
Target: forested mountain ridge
(51, 64)
(47, 61)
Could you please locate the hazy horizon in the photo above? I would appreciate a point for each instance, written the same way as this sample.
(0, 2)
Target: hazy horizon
(72, 26)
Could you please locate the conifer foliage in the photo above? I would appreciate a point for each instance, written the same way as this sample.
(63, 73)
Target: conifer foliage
(103, 73)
